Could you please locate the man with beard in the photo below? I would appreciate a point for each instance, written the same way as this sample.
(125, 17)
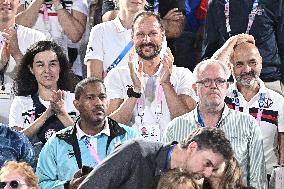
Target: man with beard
(84, 145)
(157, 91)
(138, 164)
(14, 41)
(248, 94)
(241, 129)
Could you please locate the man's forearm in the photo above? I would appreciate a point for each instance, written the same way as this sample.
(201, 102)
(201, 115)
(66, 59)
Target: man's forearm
(29, 15)
(125, 111)
(72, 27)
(175, 104)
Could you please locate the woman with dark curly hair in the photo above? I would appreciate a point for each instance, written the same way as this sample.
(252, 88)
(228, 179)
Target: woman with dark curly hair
(42, 104)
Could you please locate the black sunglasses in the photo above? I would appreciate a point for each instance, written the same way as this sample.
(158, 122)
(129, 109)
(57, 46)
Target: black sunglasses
(12, 184)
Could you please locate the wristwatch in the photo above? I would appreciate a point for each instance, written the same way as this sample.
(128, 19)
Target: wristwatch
(58, 7)
(132, 93)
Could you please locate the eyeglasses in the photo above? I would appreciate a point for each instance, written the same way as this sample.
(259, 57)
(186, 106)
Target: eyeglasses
(11, 184)
(208, 82)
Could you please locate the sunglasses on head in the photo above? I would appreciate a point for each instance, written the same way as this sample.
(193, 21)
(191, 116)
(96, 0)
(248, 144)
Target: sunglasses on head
(12, 184)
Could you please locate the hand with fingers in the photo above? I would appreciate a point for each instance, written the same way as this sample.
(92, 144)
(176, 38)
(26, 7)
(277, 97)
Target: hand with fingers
(11, 41)
(136, 76)
(57, 102)
(167, 62)
(174, 14)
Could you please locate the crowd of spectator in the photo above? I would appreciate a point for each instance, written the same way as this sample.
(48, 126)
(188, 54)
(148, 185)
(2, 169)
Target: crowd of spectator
(142, 94)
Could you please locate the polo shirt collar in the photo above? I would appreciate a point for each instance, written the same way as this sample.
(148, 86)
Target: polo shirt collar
(225, 112)
(118, 25)
(80, 133)
(262, 88)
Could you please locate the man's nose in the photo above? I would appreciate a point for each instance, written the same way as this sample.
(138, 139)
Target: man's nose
(208, 172)
(247, 68)
(146, 38)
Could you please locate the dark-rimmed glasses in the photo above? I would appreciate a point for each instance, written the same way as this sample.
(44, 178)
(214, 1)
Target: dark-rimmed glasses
(208, 82)
(11, 184)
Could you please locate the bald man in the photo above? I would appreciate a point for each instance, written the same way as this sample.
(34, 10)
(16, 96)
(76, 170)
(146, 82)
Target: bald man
(249, 94)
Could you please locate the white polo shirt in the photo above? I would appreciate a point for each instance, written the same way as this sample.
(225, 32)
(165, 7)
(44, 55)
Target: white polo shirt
(117, 82)
(106, 42)
(272, 120)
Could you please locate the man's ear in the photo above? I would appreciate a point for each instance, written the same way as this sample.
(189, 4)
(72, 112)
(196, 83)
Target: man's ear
(76, 104)
(194, 87)
(192, 147)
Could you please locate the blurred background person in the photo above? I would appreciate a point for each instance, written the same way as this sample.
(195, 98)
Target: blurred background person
(18, 175)
(177, 179)
(15, 146)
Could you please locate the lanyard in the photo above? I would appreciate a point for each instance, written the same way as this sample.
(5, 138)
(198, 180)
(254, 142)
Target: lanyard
(261, 103)
(169, 155)
(92, 150)
(156, 6)
(158, 98)
(199, 118)
(120, 57)
(251, 15)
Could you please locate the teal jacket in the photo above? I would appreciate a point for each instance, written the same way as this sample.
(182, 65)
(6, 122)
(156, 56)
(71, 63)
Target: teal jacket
(57, 161)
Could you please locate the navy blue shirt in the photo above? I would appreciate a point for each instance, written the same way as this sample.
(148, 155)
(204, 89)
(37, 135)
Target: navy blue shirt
(267, 29)
(15, 146)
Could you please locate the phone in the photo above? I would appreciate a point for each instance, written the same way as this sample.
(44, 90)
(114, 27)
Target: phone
(86, 170)
(181, 6)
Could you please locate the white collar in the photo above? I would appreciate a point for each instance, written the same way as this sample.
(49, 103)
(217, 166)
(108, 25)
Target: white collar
(262, 87)
(118, 25)
(80, 133)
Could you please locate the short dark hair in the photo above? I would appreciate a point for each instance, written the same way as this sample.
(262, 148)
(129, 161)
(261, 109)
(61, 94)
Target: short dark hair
(210, 138)
(148, 14)
(81, 85)
(25, 82)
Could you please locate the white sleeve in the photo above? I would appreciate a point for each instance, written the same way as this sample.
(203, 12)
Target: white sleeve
(81, 6)
(114, 84)
(185, 80)
(95, 44)
(15, 116)
(281, 115)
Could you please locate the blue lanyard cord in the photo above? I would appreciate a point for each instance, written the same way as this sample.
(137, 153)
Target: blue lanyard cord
(169, 155)
(199, 118)
(120, 56)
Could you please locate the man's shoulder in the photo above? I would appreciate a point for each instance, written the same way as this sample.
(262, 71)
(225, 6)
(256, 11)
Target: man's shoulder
(108, 26)
(184, 120)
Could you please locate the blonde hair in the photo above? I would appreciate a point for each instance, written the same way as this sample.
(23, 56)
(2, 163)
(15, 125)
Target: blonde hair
(23, 169)
(176, 177)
